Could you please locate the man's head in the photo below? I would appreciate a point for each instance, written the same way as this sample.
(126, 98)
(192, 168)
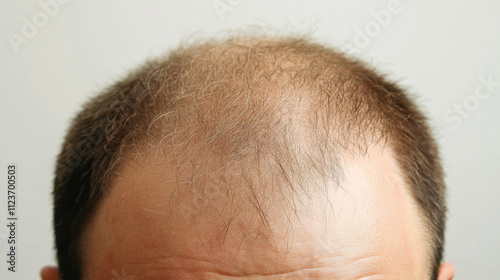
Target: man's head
(250, 157)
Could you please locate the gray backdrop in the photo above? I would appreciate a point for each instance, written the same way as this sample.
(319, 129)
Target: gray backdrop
(55, 54)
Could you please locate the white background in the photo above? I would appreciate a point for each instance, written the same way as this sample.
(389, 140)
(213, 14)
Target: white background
(436, 49)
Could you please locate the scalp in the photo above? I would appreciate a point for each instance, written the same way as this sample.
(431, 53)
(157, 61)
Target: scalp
(251, 115)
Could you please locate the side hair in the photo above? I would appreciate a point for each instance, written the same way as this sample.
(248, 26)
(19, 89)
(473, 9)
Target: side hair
(237, 98)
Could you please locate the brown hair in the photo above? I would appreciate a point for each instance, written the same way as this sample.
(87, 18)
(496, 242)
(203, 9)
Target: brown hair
(241, 102)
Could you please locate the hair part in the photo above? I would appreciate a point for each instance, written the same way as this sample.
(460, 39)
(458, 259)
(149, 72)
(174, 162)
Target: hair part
(279, 109)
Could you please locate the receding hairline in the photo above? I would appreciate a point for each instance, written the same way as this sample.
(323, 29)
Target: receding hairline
(227, 98)
(264, 80)
(244, 97)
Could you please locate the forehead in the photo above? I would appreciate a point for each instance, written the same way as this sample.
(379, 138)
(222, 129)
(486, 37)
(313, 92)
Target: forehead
(367, 226)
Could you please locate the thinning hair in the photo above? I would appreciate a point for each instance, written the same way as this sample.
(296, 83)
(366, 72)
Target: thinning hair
(274, 111)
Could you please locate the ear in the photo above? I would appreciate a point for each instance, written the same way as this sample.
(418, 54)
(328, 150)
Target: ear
(50, 273)
(446, 271)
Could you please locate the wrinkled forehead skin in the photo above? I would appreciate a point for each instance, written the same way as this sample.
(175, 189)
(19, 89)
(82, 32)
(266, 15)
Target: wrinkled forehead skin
(368, 228)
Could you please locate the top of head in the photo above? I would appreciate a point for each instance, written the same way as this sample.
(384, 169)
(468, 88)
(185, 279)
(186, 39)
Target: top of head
(260, 134)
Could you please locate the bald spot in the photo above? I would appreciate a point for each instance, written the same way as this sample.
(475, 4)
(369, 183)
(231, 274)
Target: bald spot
(151, 229)
(258, 158)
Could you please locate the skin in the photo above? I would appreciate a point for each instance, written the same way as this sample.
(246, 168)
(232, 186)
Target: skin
(148, 229)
